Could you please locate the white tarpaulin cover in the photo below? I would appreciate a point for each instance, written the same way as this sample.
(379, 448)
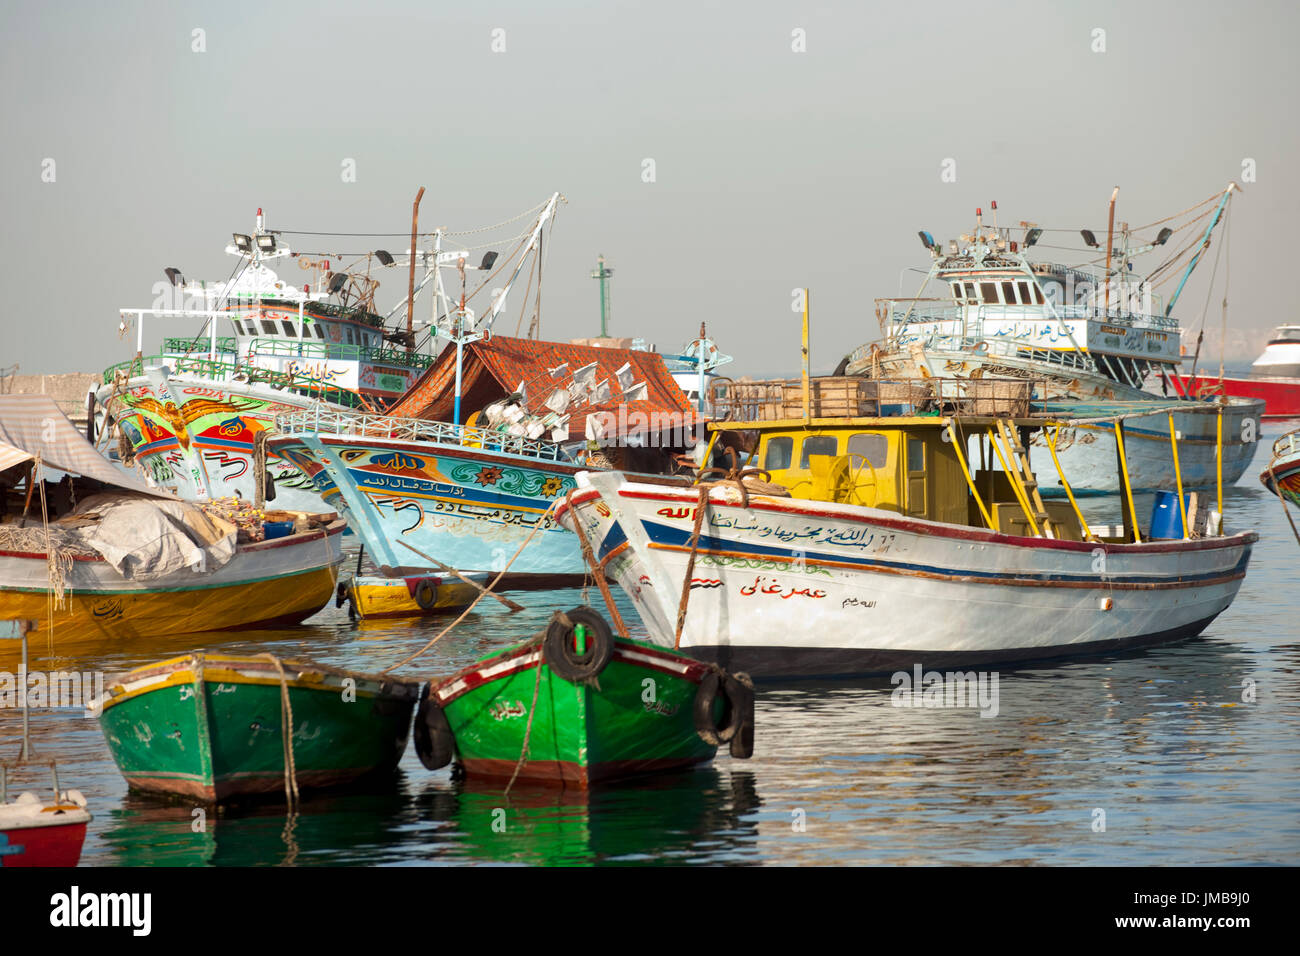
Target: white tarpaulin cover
(148, 538)
(34, 425)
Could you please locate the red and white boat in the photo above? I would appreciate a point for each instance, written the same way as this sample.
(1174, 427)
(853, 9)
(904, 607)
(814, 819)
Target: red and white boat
(37, 832)
(1274, 377)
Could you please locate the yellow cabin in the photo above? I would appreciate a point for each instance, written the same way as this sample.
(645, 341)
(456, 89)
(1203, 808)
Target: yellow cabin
(917, 466)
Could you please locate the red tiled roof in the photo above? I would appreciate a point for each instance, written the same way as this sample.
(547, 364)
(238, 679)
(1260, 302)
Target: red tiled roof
(494, 367)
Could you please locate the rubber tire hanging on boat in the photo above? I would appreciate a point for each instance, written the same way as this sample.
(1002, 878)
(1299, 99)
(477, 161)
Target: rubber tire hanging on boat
(426, 595)
(434, 743)
(737, 694)
(564, 660)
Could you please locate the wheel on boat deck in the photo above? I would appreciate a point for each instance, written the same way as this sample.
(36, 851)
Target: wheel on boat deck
(737, 693)
(434, 743)
(560, 647)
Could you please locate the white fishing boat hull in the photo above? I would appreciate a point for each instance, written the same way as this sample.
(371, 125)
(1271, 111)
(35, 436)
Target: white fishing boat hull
(786, 588)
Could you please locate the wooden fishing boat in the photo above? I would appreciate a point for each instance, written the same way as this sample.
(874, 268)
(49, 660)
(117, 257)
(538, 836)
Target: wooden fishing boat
(272, 583)
(872, 546)
(992, 306)
(577, 706)
(1282, 476)
(214, 726)
(113, 558)
(411, 595)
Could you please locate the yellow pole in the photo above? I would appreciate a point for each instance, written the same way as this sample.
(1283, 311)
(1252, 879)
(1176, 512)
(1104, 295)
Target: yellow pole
(1051, 446)
(807, 399)
(1015, 484)
(1219, 456)
(708, 454)
(1128, 486)
(970, 481)
(1178, 476)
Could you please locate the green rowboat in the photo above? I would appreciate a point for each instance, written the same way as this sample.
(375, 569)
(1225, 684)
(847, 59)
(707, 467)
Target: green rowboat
(212, 726)
(575, 706)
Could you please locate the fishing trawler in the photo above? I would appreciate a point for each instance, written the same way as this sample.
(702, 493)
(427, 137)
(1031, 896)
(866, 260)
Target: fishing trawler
(870, 543)
(1083, 335)
(468, 466)
(192, 414)
(1274, 377)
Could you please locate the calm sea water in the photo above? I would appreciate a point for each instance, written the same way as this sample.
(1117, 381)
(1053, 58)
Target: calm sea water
(1162, 743)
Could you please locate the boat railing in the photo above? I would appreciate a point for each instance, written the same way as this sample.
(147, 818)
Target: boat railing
(1066, 360)
(329, 351)
(233, 372)
(202, 345)
(903, 312)
(854, 397)
(1288, 444)
(321, 419)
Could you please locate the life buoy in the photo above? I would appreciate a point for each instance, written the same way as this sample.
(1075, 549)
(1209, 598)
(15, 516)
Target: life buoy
(736, 722)
(435, 744)
(560, 646)
(426, 595)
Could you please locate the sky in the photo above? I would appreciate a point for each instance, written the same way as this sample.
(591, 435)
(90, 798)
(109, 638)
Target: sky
(793, 144)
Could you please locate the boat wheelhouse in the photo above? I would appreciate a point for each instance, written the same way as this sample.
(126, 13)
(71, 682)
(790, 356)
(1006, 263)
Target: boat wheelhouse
(192, 414)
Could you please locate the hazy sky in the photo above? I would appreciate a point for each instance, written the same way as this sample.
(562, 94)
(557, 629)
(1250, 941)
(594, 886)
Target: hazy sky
(773, 168)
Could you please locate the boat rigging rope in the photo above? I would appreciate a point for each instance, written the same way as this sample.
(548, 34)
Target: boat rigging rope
(482, 594)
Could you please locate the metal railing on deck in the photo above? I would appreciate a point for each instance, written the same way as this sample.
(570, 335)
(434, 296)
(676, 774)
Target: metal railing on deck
(323, 420)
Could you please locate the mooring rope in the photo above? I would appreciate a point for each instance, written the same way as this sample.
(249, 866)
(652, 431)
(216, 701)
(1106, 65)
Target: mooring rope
(286, 731)
(481, 595)
(532, 711)
(1277, 486)
(597, 571)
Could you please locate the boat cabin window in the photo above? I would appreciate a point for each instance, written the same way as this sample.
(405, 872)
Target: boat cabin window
(957, 291)
(915, 454)
(779, 450)
(288, 327)
(989, 291)
(268, 327)
(818, 445)
(1009, 293)
(1025, 296)
(872, 448)
(320, 332)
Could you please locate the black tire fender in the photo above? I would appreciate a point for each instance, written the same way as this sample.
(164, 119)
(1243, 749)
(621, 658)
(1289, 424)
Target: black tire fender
(559, 649)
(434, 743)
(426, 594)
(737, 694)
(742, 744)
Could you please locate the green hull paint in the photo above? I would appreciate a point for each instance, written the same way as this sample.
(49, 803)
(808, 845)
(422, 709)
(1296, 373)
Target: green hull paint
(213, 739)
(635, 718)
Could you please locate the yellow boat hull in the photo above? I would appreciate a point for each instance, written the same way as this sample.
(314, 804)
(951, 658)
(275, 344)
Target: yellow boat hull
(373, 597)
(279, 601)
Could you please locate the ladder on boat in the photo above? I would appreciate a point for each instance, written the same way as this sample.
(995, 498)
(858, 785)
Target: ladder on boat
(1022, 479)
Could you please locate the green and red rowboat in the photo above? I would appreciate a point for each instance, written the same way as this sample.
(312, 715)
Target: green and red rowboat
(212, 726)
(576, 706)
(1282, 476)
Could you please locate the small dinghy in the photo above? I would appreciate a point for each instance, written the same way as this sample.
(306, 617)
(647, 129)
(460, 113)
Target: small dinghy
(217, 726)
(577, 706)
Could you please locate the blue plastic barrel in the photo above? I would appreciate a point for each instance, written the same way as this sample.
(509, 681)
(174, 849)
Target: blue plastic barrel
(1166, 519)
(277, 529)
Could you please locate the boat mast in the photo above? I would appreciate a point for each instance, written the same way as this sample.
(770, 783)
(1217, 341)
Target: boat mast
(410, 282)
(1205, 244)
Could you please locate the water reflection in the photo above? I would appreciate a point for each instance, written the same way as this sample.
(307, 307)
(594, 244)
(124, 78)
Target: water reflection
(1191, 751)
